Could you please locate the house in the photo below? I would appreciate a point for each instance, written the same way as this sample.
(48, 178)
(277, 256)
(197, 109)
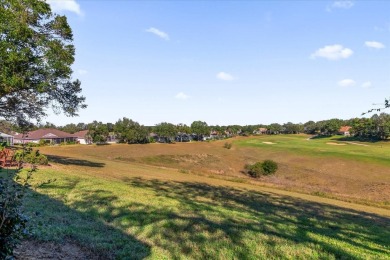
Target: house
(214, 135)
(49, 135)
(9, 139)
(111, 138)
(260, 131)
(83, 137)
(182, 137)
(345, 130)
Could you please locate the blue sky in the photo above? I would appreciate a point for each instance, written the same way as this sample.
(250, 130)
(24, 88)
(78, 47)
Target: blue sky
(228, 62)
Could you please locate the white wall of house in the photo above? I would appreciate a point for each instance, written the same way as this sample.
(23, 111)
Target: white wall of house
(82, 140)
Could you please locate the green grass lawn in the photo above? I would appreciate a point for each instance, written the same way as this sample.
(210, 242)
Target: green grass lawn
(375, 152)
(138, 216)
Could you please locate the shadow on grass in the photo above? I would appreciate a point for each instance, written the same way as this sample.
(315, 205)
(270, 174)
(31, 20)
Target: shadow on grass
(314, 137)
(52, 220)
(72, 161)
(203, 222)
(359, 139)
(213, 222)
(283, 218)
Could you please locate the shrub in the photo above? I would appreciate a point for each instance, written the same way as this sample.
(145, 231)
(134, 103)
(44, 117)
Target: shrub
(255, 170)
(258, 169)
(227, 145)
(13, 223)
(269, 167)
(12, 220)
(31, 157)
(3, 145)
(32, 144)
(36, 158)
(43, 142)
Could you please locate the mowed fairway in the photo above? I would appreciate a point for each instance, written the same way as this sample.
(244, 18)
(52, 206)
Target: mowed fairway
(190, 200)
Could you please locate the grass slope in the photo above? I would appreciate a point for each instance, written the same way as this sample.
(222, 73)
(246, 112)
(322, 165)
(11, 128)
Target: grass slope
(129, 211)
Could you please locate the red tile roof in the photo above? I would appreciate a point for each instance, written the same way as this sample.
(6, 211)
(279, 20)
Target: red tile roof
(46, 133)
(81, 134)
(345, 129)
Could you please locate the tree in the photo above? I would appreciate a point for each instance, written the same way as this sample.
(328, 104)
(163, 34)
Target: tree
(200, 129)
(165, 130)
(183, 128)
(376, 127)
(70, 128)
(36, 54)
(98, 132)
(310, 127)
(385, 105)
(6, 127)
(332, 126)
(275, 128)
(290, 128)
(131, 132)
(47, 125)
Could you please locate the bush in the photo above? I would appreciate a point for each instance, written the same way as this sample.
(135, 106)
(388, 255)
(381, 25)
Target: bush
(258, 169)
(32, 145)
(3, 145)
(255, 170)
(31, 157)
(43, 142)
(12, 220)
(269, 167)
(227, 145)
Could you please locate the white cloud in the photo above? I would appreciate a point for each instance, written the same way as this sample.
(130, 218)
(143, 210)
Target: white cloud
(346, 83)
(332, 52)
(225, 76)
(65, 5)
(159, 33)
(343, 4)
(366, 84)
(375, 45)
(182, 96)
(82, 72)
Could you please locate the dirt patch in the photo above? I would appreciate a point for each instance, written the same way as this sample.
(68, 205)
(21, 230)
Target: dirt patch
(331, 143)
(31, 250)
(268, 143)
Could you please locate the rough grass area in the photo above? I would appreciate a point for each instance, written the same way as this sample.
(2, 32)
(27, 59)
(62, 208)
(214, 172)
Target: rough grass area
(163, 214)
(357, 172)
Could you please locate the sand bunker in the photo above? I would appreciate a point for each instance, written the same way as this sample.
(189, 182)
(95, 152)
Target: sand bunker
(268, 143)
(357, 144)
(331, 143)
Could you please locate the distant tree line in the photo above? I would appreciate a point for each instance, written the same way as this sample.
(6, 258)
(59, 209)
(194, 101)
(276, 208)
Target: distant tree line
(126, 130)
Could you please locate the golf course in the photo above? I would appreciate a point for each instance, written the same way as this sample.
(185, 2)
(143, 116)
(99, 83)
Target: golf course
(329, 199)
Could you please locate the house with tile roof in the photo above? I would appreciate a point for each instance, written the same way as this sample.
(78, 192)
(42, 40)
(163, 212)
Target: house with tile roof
(50, 135)
(260, 131)
(83, 137)
(345, 130)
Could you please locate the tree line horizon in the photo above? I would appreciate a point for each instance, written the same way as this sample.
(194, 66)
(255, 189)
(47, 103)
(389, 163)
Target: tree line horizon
(129, 131)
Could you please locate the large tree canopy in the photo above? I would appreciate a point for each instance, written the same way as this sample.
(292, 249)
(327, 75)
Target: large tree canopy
(36, 54)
